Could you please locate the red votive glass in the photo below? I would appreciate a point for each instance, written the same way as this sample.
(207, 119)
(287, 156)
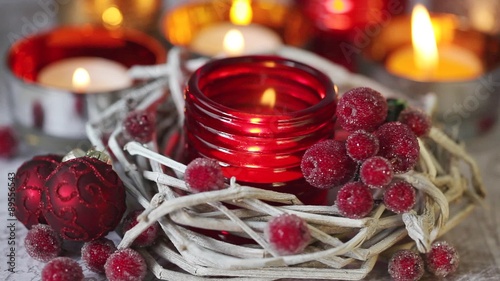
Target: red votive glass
(343, 28)
(257, 115)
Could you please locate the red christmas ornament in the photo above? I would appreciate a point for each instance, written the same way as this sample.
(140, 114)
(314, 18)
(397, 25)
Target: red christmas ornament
(84, 199)
(30, 182)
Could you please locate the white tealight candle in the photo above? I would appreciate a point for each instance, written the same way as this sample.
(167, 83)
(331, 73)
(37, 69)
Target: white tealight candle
(104, 75)
(256, 39)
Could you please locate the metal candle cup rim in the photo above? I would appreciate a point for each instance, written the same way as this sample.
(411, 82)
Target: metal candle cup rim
(329, 97)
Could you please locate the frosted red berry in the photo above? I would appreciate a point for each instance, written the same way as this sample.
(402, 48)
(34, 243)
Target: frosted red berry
(287, 234)
(361, 145)
(417, 120)
(95, 253)
(354, 200)
(140, 125)
(62, 269)
(326, 164)
(148, 236)
(406, 265)
(442, 259)
(399, 145)
(376, 172)
(42, 243)
(204, 174)
(361, 109)
(400, 197)
(8, 142)
(125, 265)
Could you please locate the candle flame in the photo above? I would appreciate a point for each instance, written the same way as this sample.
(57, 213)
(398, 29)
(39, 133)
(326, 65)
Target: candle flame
(234, 43)
(268, 97)
(424, 40)
(112, 17)
(338, 6)
(81, 79)
(241, 12)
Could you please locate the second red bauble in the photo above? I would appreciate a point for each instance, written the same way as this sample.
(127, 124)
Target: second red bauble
(84, 199)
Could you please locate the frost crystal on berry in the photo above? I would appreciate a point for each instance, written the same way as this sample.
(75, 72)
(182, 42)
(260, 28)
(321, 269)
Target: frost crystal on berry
(406, 265)
(62, 269)
(95, 253)
(140, 125)
(354, 200)
(400, 197)
(42, 243)
(148, 236)
(287, 234)
(399, 145)
(361, 109)
(203, 174)
(376, 172)
(125, 265)
(442, 259)
(361, 145)
(326, 164)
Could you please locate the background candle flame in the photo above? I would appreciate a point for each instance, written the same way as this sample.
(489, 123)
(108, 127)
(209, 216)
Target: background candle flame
(112, 17)
(424, 40)
(241, 12)
(339, 6)
(234, 43)
(81, 79)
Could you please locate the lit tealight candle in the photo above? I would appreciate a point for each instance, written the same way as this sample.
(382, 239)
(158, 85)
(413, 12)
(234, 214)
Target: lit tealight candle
(428, 61)
(237, 37)
(85, 75)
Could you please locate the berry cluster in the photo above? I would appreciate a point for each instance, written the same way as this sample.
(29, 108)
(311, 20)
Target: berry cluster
(380, 144)
(441, 260)
(44, 244)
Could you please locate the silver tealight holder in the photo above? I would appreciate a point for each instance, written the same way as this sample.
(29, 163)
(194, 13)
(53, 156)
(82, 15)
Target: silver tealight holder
(61, 78)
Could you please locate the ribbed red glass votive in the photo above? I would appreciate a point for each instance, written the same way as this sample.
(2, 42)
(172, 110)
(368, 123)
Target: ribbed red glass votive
(257, 115)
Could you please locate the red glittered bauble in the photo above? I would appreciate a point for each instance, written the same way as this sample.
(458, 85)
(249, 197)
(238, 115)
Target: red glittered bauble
(30, 182)
(84, 199)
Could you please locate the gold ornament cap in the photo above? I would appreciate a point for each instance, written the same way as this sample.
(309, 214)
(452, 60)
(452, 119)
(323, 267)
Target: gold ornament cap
(92, 153)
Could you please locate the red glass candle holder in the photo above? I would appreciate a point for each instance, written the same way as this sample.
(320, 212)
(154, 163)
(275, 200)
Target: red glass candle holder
(257, 115)
(54, 118)
(343, 28)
